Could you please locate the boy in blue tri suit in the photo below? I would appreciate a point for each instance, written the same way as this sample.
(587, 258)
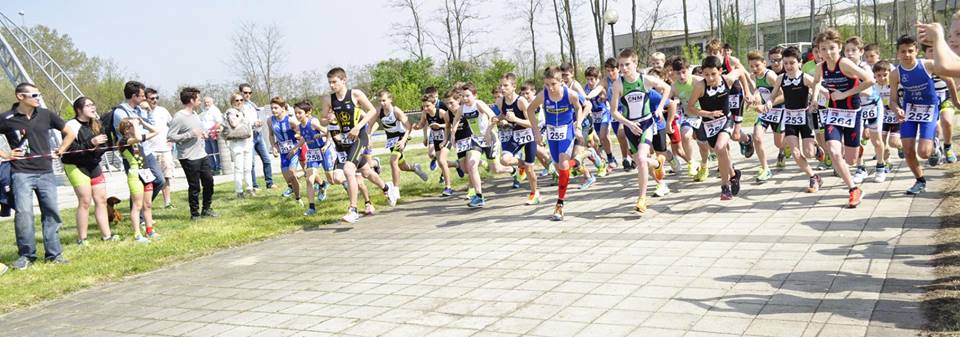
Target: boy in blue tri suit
(920, 111)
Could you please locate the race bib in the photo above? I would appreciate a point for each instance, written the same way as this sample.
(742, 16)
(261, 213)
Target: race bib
(868, 112)
(146, 176)
(555, 132)
(392, 142)
(693, 121)
(314, 155)
(890, 118)
(841, 117)
(713, 127)
(734, 101)
(345, 140)
(765, 94)
(286, 146)
(597, 115)
(342, 157)
(795, 116)
(523, 136)
(772, 116)
(822, 100)
(463, 145)
(437, 135)
(922, 113)
(506, 135)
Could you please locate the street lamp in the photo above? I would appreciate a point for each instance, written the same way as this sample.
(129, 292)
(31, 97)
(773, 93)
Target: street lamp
(611, 17)
(22, 20)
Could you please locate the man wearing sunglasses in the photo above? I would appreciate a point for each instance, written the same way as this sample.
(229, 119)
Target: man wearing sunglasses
(162, 149)
(250, 109)
(27, 128)
(775, 55)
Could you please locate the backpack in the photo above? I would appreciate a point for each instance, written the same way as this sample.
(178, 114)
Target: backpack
(106, 120)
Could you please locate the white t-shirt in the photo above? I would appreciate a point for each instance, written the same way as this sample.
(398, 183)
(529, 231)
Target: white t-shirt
(211, 117)
(161, 121)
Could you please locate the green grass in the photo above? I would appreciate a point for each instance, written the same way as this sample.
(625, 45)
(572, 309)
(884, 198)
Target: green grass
(240, 222)
(942, 297)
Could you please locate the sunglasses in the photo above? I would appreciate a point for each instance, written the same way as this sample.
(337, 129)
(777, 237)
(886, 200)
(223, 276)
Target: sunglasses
(247, 92)
(153, 98)
(238, 100)
(33, 95)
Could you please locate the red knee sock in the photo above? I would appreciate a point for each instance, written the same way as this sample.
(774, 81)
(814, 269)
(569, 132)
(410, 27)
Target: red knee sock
(563, 182)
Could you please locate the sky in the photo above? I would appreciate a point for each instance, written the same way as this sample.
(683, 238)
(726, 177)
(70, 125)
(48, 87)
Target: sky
(172, 42)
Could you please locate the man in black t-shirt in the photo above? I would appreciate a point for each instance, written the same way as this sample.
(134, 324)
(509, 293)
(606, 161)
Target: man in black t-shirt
(27, 128)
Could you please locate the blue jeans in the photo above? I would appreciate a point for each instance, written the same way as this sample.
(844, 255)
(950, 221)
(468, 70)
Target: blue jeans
(213, 154)
(45, 186)
(260, 150)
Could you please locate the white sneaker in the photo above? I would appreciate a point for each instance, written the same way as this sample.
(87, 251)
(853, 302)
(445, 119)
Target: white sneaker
(880, 176)
(674, 166)
(859, 176)
(351, 216)
(393, 194)
(662, 189)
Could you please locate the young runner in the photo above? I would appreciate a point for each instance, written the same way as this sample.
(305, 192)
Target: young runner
(793, 90)
(397, 128)
(612, 76)
(528, 90)
(741, 93)
(681, 88)
(920, 110)
(584, 125)
(871, 112)
(319, 154)
(434, 124)
(514, 116)
(714, 98)
(770, 119)
(663, 122)
(284, 134)
(947, 91)
(471, 117)
(891, 122)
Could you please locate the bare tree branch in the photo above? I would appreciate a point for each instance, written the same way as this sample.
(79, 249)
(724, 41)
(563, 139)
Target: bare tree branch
(412, 35)
(258, 55)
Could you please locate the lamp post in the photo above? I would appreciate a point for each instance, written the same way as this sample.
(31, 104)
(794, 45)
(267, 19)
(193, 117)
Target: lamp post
(611, 17)
(23, 21)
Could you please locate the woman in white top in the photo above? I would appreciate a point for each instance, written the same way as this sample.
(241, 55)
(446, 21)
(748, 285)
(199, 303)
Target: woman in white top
(238, 131)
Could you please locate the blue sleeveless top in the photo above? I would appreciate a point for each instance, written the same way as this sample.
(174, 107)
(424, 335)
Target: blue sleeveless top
(558, 112)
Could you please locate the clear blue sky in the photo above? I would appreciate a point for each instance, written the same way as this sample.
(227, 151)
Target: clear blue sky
(171, 42)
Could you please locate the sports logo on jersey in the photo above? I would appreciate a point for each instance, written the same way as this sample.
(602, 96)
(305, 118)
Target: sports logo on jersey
(792, 81)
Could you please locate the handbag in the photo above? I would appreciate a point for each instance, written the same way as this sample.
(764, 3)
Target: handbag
(236, 129)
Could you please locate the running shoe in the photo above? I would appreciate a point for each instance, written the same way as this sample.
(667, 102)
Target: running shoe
(368, 209)
(856, 194)
(351, 216)
(880, 175)
(288, 193)
(83, 243)
(376, 165)
(628, 165)
(821, 155)
(557, 213)
(950, 155)
(660, 171)
(764, 175)
(934, 159)
(641, 205)
(746, 148)
(781, 160)
(310, 211)
(112, 237)
(691, 169)
(533, 198)
(712, 156)
(674, 166)
(859, 175)
(588, 182)
(322, 193)
(701, 174)
(459, 171)
(433, 165)
(141, 240)
(447, 192)
(917, 188)
(602, 169)
(900, 153)
(815, 184)
(22, 263)
(823, 166)
(476, 202)
(418, 169)
(725, 193)
(735, 182)
(393, 194)
(787, 151)
(515, 184)
(522, 173)
(662, 189)
(441, 180)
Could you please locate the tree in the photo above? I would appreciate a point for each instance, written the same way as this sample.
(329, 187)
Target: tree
(258, 56)
(413, 34)
(654, 19)
(560, 30)
(633, 25)
(813, 6)
(458, 17)
(686, 25)
(783, 20)
(571, 41)
(598, 8)
(531, 11)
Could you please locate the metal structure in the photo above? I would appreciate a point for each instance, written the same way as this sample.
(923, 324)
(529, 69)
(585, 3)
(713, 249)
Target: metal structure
(38, 58)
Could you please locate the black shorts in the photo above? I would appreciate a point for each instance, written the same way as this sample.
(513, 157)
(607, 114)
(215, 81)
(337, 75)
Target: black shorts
(474, 145)
(712, 141)
(660, 141)
(488, 152)
(352, 152)
(893, 128)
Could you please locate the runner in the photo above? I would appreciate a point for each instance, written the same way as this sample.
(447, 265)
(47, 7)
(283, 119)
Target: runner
(470, 115)
(598, 118)
(612, 76)
(920, 108)
(513, 116)
(741, 92)
(775, 56)
(947, 91)
(397, 128)
(284, 132)
(584, 125)
(603, 128)
(681, 88)
(871, 112)
(434, 124)
(659, 140)
(844, 80)
(793, 90)
(713, 94)
(348, 127)
(770, 119)
(529, 92)
(319, 154)
(891, 122)
(631, 91)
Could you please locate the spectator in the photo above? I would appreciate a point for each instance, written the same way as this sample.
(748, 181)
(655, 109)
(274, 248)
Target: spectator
(238, 133)
(81, 163)
(140, 180)
(187, 131)
(212, 119)
(250, 109)
(162, 149)
(134, 94)
(27, 128)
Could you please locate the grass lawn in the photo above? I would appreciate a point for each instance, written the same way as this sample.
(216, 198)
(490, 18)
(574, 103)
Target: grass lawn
(240, 222)
(942, 298)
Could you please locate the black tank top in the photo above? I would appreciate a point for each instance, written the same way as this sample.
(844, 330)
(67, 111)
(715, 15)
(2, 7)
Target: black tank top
(515, 108)
(795, 92)
(836, 80)
(715, 98)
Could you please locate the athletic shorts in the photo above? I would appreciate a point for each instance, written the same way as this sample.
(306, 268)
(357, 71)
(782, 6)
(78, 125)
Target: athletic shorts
(562, 146)
(167, 165)
(633, 140)
(712, 141)
(321, 157)
(468, 144)
(872, 123)
(737, 110)
(615, 126)
(488, 152)
(602, 129)
(77, 178)
(675, 138)
(354, 152)
(659, 141)
(286, 163)
(892, 127)
(529, 150)
(134, 183)
(923, 130)
(849, 137)
(802, 131)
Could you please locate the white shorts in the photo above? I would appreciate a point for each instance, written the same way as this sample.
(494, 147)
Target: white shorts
(167, 164)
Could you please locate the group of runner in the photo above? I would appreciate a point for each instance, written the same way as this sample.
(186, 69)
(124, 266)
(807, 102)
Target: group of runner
(826, 105)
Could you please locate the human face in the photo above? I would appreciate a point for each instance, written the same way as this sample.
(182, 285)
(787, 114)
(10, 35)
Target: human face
(336, 83)
(757, 67)
(853, 53)
(138, 98)
(628, 65)
(656, 61)
(593, 81)
(152, 100)
(872, 57)
(428, 107)
(277, 110)
(907, 54)
(554, 85)
(712, 76)
(31, 98)
(467, 97)
(237, 101)
(301, 115)
(208, 102)
(791, 64)
(830, 51)
(89, 109)
(386, 100)
(953, 36)
(883, 77)
(506, 86)
(678, 76)
(452, 104)
(566, 76)
(776, 62)
(497, 94)
(612, 73)
(527, 94)
(246, 92)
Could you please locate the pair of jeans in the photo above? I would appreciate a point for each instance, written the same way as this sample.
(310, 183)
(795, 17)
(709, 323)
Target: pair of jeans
(242, 163)
(199, 176)
(150, 162)
(213, 153)
(45, 187)
(260, 150)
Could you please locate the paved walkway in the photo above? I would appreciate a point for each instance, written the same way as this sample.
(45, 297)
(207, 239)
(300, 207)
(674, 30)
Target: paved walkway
(774, 262)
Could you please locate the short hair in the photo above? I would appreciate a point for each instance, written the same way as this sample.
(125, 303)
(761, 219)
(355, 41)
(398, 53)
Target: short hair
(338, 73)
(189, 93)
(551, 72)
(469, 87)
(714, 46)
(871, 47)
(149, 91)
(906, 40)
(657, 54)
(711, 62)
(425, 98)
(697, 70)
(755, 55)
(452, 93)
(791, 52)
(775, 50)
(430, 90)
(629, 53)
(677, 63)
(658, 72)
(131, 89)
(566, 67)
(22, 87)
(610, 63)
(304, 105)
(727, 46)
(384, 92)
(881, 66)
(510, 77)
(528, 85)
(278, 100)
(244, 85)
(495, 90)
(856, 41)
(829, 35)
(592, 72)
